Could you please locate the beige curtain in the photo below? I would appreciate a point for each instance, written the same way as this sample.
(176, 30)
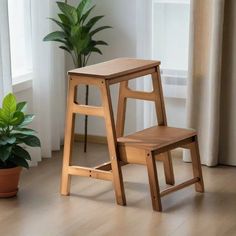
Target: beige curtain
(211, 101)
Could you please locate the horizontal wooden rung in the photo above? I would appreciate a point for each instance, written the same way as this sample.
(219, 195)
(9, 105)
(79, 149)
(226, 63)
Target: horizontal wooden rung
(150, 96)
(88, 110)
(107, 166)
(89, 172)
(179, 186)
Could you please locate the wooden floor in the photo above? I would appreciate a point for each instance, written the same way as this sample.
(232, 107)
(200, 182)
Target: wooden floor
(39, 210)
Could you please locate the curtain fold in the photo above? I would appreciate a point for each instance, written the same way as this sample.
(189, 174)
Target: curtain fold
(144, 50)
(5, 61)
(49, 79)
(204, 106)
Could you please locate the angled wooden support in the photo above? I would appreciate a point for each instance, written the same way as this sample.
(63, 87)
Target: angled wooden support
(162, 120)
(112, 144)
(157, 97)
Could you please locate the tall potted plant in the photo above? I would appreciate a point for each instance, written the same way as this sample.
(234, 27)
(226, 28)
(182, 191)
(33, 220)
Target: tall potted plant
(76, 37)
(13, 135)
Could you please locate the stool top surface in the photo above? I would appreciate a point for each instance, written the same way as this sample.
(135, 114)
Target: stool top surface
(115, 68)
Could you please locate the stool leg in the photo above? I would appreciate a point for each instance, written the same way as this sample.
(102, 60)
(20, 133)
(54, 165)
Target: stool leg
(69, 136)
(112, 145)
(121, 109)
(197, 168)
(153, 182)
(162, 120)
(168, 167)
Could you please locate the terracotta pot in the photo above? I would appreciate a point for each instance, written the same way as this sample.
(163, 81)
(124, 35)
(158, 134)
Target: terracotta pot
(9, 179)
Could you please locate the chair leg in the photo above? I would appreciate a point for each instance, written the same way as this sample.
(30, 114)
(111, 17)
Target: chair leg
(197, 168)
(153, 182)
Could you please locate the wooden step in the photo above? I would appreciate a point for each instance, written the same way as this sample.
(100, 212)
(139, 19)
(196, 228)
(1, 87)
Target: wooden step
(156, 137)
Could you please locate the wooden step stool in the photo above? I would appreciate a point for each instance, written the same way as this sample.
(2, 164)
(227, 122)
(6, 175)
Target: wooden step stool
(121, 71)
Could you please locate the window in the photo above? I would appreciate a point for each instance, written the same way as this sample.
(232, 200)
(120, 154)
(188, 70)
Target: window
(20, 40)
(170, 40)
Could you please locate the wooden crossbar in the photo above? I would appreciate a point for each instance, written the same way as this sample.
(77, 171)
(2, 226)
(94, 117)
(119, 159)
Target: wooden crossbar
(90, 172)
(88, 110)
(129, 93)
(179, 186)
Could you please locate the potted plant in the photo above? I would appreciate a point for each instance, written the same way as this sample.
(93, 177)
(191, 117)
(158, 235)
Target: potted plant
(14, 136)
(76, 36)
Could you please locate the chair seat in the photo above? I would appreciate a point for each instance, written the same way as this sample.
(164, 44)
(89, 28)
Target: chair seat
(156, 137)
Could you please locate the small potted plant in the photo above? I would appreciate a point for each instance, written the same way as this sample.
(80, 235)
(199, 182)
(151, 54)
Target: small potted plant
(14, 136)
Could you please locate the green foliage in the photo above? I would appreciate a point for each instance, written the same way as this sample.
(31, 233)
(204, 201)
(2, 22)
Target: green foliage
(77, 31)
(14, 134)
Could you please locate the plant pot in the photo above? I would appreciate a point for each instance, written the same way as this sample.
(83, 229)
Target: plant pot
(9, 179)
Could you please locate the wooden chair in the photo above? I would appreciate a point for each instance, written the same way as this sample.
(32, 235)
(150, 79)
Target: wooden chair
(149, 145)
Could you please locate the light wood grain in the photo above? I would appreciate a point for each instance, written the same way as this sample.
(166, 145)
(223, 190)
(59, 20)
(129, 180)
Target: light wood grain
(69, 137)
(156, 137)
(135, 148)
(115, 68)
(112, 144)
(153, 181)
(157, 97)
(162, 120)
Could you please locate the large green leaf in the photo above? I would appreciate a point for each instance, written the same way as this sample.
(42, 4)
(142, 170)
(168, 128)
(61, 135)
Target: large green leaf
(27, 120)
(4, 116)
(96, 50)
(21, 152)
(99, 29)
(4, 140)
(2, 124)
(31, 141)
(101, 42)
(65, 48)
(64, 19)
(69, 11)
(24, 131)
(21, 106)
(88, 49)
(81, 7)
(55, 36)
(62, 25)
(18, 118)
(8, 106)
(79, 38)
(86, 14)
(5, 152)
(93, 21)
(18, 161)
